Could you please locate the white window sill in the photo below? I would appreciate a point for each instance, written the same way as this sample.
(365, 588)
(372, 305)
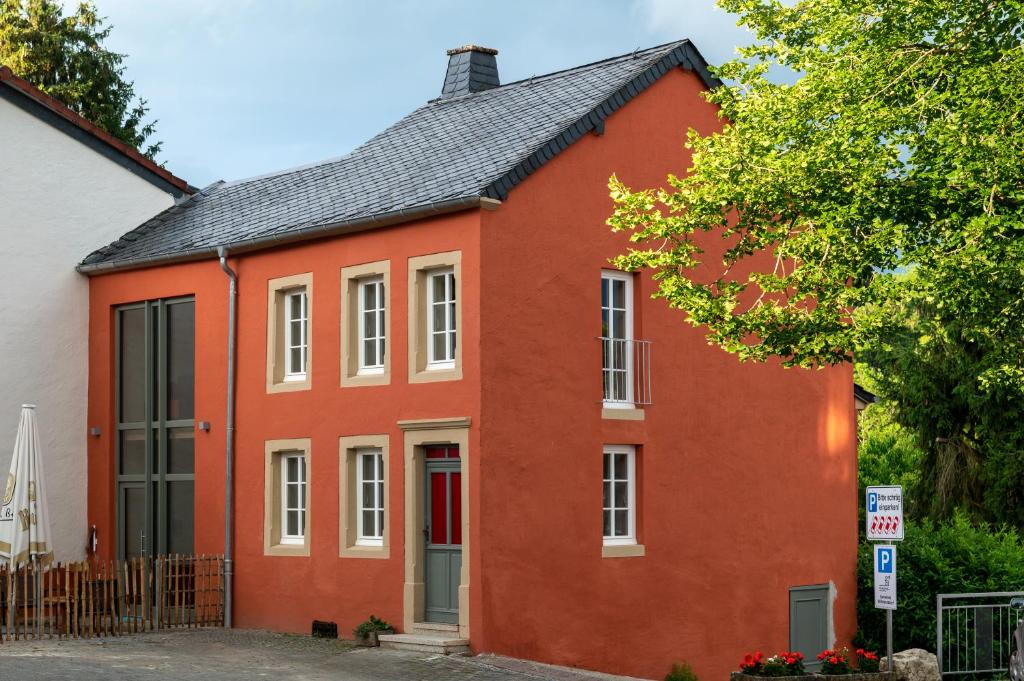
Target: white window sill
(440, 366)
(371, 371)
(632, 550)
(370, 542)
(294, 378)
(293, 541)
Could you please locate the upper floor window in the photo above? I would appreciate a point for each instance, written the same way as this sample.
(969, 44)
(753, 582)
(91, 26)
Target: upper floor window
(371, 325)
(619, 495)
(617, 337)
(441, 331)
(370, 492)
(289, 344)
(296, 332)
(435, 317)
(293, 498)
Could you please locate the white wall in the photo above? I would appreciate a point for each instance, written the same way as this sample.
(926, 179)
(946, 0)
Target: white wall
(59, 200)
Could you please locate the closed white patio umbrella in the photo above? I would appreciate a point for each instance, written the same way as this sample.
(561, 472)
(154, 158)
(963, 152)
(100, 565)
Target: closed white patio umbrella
(24, 516)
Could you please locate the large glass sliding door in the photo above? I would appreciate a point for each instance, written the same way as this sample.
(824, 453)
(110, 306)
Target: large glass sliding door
(155, 413)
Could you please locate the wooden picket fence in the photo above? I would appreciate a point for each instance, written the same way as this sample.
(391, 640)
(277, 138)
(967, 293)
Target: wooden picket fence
(111, 598)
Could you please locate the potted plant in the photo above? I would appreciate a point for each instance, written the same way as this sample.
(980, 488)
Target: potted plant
(366, 633)
(781, 664)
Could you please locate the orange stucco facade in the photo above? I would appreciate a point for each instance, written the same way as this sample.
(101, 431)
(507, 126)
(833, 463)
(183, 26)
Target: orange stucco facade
(746, 474)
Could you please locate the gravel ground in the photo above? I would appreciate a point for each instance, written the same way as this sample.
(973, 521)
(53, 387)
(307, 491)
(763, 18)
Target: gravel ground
(237, 655)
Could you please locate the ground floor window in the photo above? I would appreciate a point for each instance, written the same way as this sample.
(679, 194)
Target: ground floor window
(287, 493)
(293, 496)
(370, 489)
(619, 495)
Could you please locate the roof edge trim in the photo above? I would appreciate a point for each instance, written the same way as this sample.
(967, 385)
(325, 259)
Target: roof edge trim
(685, 55)
(305, 234)
(149, 169)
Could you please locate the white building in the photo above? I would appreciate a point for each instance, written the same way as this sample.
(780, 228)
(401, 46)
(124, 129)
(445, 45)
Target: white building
(65, 186)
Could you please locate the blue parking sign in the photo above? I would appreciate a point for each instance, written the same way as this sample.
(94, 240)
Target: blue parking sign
(873, 502)
(885, 560)
(885, 577)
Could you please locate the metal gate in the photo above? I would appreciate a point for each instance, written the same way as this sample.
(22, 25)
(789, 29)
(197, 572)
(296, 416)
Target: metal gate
(974, 632)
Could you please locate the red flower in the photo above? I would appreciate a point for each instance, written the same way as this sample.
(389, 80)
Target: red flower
(747, 659)
(860, 651)
(833, 660)
(758, 656)
(790, 660)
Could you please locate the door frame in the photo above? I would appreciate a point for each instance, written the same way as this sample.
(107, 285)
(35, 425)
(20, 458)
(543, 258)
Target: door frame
(447, 465)
(418, 434)
(155, 426)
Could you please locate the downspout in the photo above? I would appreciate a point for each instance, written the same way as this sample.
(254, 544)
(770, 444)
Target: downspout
(229, 449)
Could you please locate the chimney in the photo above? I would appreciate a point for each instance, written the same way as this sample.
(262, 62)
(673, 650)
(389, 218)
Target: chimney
(470, 69)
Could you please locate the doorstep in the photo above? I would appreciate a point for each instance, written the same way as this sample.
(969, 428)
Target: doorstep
(427, 637)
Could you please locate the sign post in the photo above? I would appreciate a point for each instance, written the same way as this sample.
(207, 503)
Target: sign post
(884, 522)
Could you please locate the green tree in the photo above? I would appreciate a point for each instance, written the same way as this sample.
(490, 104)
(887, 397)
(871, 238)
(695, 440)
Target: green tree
(898, 147)
(887, 453)
(64, 57)
(970, 435)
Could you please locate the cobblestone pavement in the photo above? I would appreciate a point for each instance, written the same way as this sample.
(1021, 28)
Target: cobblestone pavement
(237, 655)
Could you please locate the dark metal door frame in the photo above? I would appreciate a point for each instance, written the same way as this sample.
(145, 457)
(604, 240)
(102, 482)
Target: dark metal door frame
(156, 426)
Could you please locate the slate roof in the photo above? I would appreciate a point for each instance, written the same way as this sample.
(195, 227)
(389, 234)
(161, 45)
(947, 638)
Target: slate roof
(446, 155)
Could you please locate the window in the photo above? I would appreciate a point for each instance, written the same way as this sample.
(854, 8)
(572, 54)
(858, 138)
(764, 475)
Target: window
(371, 326)
(289, 339)
(296, 333)
(363, 496)
(435, 317)
(617, 338)
(293, 499)
(365, 324)
(370, 502)
(619, 491)
(441, 332)
(286, 519)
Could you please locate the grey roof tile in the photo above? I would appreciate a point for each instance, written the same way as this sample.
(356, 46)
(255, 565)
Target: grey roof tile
(453, 148)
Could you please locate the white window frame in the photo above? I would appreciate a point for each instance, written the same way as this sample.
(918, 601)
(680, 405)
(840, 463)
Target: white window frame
(630, 453)
(375, 505)
(612, 276)
(290, 342)
(450, 332)
(378, 313)
(301, 509)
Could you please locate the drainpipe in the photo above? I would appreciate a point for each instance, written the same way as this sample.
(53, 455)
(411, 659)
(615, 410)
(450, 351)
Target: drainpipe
(229, 449)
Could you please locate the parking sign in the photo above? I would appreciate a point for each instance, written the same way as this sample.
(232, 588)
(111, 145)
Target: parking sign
(884, 513)
(885, 577)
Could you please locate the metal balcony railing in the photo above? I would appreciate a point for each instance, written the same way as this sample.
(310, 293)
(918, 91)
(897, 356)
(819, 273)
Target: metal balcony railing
(626, 370)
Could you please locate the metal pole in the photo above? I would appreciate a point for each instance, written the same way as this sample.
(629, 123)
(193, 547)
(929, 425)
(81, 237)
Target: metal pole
(888, 640)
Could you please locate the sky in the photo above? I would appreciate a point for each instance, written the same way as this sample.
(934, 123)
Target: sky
(247, 87)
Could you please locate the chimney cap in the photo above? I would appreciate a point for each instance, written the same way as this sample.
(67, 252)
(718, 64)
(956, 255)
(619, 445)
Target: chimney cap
(471, 48)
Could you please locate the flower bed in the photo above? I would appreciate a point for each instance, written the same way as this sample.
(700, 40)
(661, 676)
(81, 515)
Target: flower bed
(863, 666)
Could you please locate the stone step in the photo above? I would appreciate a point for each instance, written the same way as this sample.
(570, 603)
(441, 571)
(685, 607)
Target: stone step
(436, 643)
(434, 628)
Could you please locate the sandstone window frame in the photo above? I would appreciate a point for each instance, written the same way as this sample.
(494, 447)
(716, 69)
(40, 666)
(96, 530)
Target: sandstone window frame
(278, 291)
(349, 449)
(275, 453)
(351, 278)
(420, 269)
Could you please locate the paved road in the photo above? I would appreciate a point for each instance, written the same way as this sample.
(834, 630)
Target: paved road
(238, 655)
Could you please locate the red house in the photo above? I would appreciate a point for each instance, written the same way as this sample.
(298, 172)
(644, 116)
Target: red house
(448, 409)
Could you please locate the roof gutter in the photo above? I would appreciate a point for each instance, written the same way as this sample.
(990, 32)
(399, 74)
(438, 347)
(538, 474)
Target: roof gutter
(305, 234)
